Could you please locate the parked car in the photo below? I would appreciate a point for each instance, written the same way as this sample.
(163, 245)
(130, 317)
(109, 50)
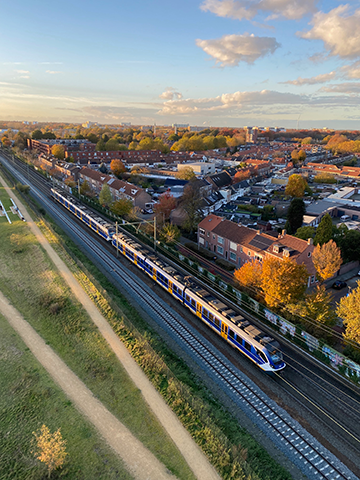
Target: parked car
(338, 285)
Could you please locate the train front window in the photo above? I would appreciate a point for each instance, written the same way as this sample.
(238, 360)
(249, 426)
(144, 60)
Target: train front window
(275, 354)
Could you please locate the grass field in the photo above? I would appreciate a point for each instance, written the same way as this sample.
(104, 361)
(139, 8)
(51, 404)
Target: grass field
(30, 281)
(29, 398)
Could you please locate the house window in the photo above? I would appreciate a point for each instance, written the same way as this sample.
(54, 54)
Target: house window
(202, 231)
(249, 253)
(233, 256)
(213, 237)
(220, 240)
(233, 246)
(208, 234)
(201, 240)
(241, 249)
(220, 250)
(309, 254)
(312, 278)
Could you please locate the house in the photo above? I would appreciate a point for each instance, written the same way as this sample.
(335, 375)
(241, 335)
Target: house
(219, 180)
(118, 188)
(239, 244)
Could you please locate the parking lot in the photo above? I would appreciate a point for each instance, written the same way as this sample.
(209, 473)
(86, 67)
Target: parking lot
(351, 283)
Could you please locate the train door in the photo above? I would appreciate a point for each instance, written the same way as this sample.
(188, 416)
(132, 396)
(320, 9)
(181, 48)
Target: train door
(170, 287)
(198, 309)
(224, 330)
(135, 258)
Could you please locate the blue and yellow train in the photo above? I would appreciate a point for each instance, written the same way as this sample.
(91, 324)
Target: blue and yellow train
(258, 346)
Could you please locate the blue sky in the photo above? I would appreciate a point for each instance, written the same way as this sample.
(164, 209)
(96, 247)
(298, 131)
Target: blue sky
(207, 62)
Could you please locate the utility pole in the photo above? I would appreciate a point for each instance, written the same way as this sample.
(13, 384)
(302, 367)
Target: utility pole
(155, 233)
(117, 245)
(79, 186)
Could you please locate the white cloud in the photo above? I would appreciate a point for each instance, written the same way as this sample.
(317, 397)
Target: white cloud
(245, 9)
(170, 94)
(52, 72)
(233, 104)
(338, 29)
(352, 71)
(323, 78)
(24, 72)
(24, 76)
(233, 49)
(50, 63)
(349, 88)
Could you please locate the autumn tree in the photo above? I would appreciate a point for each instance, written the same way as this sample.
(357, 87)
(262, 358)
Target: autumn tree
(317, 306)
(249, 275)
(191, 203)
(117, 167)
(165, 206)
(5, 141)
(169, 233)
(327, 260)
(122, 207)
(105, 197)
(58, 151)
(50, 448)
(85, 189)
(349, 310)
(185, 173)
(295, 215)
(296, 186)
(324, 230)
(324, 178)
(283, 281)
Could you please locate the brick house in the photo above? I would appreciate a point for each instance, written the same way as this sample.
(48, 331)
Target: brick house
(239, 244)
(118, 188)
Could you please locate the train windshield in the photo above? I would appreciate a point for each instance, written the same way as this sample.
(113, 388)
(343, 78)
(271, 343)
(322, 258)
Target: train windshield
(275, 354)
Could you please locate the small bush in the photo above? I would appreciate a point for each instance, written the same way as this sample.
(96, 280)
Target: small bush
(224, 265)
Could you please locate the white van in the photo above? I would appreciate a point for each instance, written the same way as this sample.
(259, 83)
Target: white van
(345, 217)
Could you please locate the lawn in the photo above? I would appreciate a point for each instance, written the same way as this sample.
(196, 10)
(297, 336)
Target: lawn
(33, 285)
(29, 398)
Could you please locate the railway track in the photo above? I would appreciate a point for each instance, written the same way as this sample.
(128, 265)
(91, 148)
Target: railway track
(293, 440)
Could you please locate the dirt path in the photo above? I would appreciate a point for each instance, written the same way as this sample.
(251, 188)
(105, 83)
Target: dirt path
(196, 460)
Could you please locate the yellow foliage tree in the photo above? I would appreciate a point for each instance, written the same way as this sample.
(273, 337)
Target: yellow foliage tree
(327, 259)
(51, 448)
(283, 281)
(296, 186)
(58, 151)
(349, 310)
(249, 275)
(186, 173)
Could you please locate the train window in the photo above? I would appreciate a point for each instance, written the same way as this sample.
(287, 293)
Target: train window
(217, 322)
(231, 334)
(261, 355)
(205, 313)
(187, 298)
(211, 317)
(247, 346)
(193, 304)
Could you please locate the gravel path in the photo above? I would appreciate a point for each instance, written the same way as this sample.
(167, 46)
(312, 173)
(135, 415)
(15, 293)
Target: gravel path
(139, 459)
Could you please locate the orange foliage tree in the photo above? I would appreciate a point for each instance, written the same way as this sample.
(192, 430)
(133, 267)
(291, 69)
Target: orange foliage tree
(249, 275)
(165, 205)
(117, 167)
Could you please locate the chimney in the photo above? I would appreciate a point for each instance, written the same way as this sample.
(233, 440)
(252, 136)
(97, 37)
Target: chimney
(283, 233)
(310, 241)
(258, 232)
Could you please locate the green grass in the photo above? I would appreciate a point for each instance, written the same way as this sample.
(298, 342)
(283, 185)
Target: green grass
(29, 279)
(29, 398)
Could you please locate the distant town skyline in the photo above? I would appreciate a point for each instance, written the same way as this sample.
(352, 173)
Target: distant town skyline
(208, 62)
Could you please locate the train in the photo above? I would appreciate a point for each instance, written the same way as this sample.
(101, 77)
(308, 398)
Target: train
(246, 338)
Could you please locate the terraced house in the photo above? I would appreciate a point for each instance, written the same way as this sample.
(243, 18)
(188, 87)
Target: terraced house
(239, 244)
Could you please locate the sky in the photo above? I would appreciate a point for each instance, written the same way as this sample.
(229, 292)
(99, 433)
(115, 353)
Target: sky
(232, 63)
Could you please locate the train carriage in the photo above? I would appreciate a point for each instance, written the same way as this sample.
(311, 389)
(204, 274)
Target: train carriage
(261, 349)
